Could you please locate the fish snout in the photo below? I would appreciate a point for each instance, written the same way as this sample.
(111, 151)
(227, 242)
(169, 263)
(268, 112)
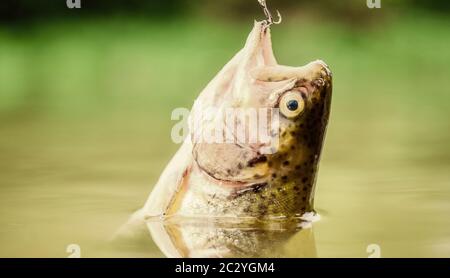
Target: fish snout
(322, 70)
(321, 75)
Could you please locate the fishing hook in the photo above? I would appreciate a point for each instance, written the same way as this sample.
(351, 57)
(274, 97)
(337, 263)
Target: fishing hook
(269, 19)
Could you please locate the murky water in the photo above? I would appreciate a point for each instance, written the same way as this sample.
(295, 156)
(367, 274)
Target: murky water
(218, 238)
(383, 185)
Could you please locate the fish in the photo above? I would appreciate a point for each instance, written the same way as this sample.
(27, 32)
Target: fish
(251, 179)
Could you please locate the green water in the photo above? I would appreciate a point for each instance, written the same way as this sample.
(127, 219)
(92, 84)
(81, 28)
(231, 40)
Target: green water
(85, 133)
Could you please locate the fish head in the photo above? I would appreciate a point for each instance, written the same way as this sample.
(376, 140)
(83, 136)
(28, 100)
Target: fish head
(296, 100)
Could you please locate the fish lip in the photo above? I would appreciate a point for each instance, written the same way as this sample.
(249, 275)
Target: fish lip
(255, 158)
(235, 184)
(254, 187)
(208, 175)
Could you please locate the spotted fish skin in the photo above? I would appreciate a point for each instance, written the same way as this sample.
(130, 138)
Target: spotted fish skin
(230, 180)
(293, 169)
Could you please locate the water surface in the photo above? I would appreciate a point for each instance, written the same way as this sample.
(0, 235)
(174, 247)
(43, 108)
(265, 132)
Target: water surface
(75, 182)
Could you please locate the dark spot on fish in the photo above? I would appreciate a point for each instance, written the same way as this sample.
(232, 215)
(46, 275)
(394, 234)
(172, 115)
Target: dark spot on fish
(258, 187)
(304, 199)
(274, 175)
(239, 165)
(296, 188)
(304, 180)
(297, 167)
(256, 160)
(286, 163)
(284, 178)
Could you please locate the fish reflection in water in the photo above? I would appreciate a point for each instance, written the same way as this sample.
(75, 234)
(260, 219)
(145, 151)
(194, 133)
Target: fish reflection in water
(190, 238)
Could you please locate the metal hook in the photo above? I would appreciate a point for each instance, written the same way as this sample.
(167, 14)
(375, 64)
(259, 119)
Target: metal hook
(269, 19)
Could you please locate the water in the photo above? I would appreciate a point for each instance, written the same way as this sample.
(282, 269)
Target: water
(75, 181)
(225, 238)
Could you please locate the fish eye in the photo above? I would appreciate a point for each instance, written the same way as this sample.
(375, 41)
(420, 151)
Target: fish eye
(291, 104)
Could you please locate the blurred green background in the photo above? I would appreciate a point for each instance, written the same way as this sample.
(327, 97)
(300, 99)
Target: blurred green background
(86, 97)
